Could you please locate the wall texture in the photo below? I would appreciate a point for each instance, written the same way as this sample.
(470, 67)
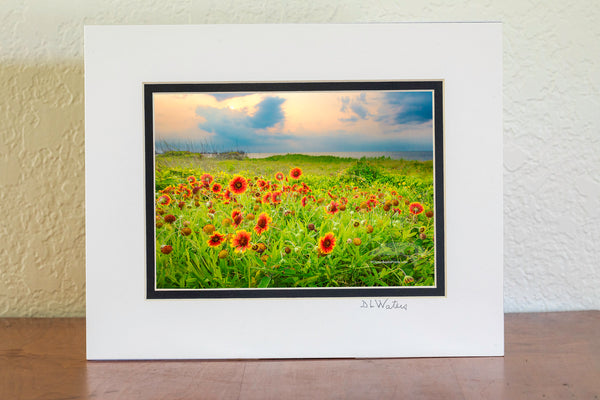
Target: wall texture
(551, 136)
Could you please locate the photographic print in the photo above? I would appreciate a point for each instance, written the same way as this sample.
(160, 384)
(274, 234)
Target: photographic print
(307, 189)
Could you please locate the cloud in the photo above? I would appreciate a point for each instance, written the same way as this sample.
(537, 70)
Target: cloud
(360, 110)
(269, 113)
(407, 108)
(224, 96)
(354, 108)
(236, 128)
(345, 100)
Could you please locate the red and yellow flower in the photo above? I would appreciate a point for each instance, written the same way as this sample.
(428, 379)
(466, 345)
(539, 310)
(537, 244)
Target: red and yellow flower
(279, 176)
(164, 200)
(266, 199)
(416, 208)
(206, 179)
(216, 239)
(262, 223)
(303, 201)
(332, 208)
(238, 184)
(237, 218)
(327, 243)
(276, 197)
(216, 188)
(241, 241)
(295, 173)
(191, 179)
(187, 192)
(261, 183)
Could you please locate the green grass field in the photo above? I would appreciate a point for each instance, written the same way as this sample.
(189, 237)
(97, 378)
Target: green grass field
(293, 221)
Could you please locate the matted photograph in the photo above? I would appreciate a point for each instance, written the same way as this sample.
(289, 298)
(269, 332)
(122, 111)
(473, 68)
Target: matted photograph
(321, 189)
(317, 199)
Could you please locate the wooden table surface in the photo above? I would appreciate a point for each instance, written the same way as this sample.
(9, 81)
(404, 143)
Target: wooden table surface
(548, 356)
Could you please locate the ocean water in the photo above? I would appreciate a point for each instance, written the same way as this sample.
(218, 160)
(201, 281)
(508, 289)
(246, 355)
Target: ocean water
(394, 155)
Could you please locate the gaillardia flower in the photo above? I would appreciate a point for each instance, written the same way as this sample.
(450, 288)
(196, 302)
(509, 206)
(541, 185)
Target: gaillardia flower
(216, 188)
(276, 197)
(416, 208)
(266, 199)
(327, 243)
(206, 179)
(262, 223)
(164, 200)
(332, 208)
(241, 240)
(279, 176)
(216, 239)
(191, 179)
(237, 217)
(166, 249)
(238, 184)
(295, 173)
(261, 183)
(209, 229)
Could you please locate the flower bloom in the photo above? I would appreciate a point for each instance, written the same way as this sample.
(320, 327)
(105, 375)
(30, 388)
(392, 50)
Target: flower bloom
(216, 239)
(241, 240)
(170, 218)
(262, 223)
(216, 188)
(261, 184)
(327, 243)
(164, 200)
(187, 192)
(237, 217)
(279, 176)
(238, 184)
(303, 201)
(191, 179)
(206, 179)
(415, 208)
(276, 197)
(267, 198)
(227, 196)
(295, 173)
(332, 208)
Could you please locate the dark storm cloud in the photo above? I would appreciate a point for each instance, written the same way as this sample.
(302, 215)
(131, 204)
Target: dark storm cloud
(235, 128)
(408, 108)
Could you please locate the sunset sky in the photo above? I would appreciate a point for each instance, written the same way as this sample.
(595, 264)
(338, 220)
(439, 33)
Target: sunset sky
(295, 122)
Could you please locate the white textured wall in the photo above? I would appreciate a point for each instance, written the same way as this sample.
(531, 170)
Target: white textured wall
(551, 131)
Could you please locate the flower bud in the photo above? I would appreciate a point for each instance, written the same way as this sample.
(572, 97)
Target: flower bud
(166, 249)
